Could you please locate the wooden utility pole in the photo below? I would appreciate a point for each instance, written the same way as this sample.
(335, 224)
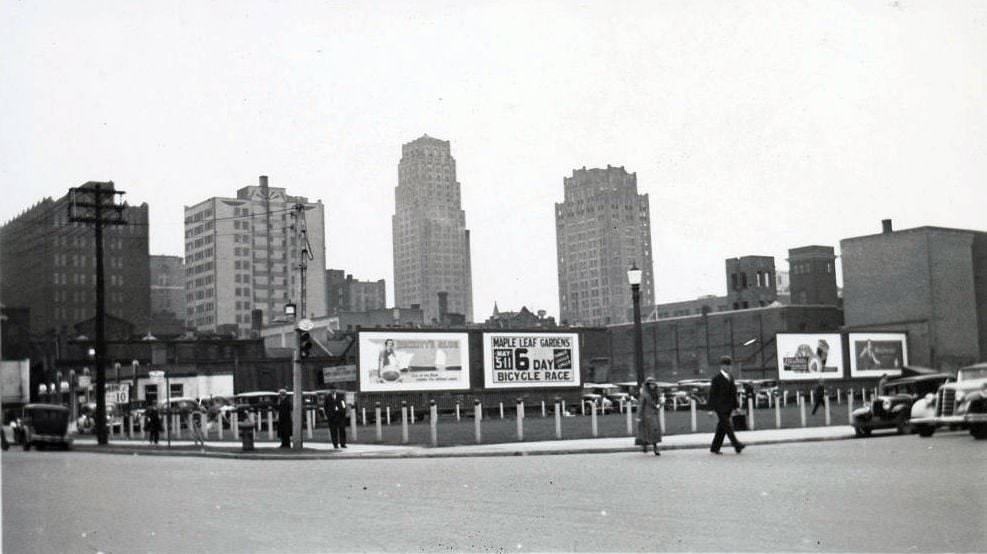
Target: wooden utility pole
(95, 203)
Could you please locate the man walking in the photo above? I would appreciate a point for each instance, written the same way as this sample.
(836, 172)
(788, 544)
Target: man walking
(335, 406)
(820, 394)
(284, 418)
(723, 401)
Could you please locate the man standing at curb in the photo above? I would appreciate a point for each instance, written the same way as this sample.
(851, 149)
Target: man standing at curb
(336, 414)
(284, 418)
(723, 401)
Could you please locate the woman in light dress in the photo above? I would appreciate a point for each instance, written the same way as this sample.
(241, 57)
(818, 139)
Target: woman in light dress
(387, 363)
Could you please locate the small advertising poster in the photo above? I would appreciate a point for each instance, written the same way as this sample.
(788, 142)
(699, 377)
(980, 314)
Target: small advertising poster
(528, 360)
(809, 357)
(339, 374)
(877, 354)
(409, 361)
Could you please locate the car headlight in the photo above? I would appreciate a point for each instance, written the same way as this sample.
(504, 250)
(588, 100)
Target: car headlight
(960, 395)
(886, 404)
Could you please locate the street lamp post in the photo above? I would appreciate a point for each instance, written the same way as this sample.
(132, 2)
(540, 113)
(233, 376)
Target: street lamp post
(634, 278)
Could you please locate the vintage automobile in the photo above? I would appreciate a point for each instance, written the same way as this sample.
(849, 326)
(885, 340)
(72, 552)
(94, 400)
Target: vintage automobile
(86, 423)
(958, 404)
(893, 407)
(46, 424)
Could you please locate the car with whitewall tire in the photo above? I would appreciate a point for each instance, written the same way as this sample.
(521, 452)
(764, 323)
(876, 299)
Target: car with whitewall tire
(958, 404)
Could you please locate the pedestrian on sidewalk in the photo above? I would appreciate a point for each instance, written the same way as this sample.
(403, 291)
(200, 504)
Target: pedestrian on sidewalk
(881, 384)
(723, 401)
(284, 418)
(820, 392)
(196, 421)
(335, 406)
(152, 422)
(650, 423)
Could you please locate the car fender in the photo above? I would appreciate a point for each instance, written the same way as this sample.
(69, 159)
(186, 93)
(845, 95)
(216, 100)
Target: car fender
(862, 414)
(923, 408)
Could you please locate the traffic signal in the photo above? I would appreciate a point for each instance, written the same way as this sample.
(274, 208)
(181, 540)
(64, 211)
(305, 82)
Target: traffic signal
(304, 344)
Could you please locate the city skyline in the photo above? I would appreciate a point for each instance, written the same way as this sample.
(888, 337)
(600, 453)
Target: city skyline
(743, 147)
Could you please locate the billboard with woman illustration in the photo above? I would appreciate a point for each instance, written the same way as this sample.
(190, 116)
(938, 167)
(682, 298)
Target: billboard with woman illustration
(809, 357)
(878, 354)
(412, 361)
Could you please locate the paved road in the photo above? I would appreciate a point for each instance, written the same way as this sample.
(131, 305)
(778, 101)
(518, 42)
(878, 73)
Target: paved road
(891, 493)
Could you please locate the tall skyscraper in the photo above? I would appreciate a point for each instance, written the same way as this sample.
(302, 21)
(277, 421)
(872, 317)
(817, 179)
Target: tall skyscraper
(602, 227)
(48, 264)
(243, 253)
(431, 242)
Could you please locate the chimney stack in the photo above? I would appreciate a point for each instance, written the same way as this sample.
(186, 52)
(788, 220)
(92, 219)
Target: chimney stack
(886, 226)
(263, 181)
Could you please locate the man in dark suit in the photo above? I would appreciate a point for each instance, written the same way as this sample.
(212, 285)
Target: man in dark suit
(723, 401)
(335, 406)
(284, 418)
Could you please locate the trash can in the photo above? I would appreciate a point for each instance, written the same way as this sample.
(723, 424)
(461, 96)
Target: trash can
(247, 433)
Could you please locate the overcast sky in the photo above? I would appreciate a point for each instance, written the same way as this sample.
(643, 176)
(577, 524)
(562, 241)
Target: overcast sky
(754, 127)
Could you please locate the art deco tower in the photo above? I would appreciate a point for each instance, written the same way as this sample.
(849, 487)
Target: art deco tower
(431, 242)
(602, 226)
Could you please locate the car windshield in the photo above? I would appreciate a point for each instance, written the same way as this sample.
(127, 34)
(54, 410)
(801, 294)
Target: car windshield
(969, 374)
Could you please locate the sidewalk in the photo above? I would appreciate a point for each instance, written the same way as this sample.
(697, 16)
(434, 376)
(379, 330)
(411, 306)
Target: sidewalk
(323, 451)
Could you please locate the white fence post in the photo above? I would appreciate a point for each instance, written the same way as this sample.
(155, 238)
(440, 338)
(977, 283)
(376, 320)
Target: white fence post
(593, 425)
(661, 417)
(520, 419)
(363, 414)
(404, 422)
(477, 416)
(692, 409)
(826, 402)
(502, 410)
(378, 422)
(353, 432)
(750, 411)
(802, 408)
(388, 414)
(777, 415)
(457, 410)
(558, 419)
(270, 424)
(630, 423)
(543, 414)
(412, 414)
(433, 421)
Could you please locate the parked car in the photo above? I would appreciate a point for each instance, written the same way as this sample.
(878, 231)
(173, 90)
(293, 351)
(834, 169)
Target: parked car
(601, 402)
(86, 422)
(893, 408)
(46, 424)
(960, 403)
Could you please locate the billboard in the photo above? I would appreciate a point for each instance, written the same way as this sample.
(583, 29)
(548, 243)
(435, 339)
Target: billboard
(15, 381)
(397, 361)
(525, 360)
(877, 354)
(809, 357)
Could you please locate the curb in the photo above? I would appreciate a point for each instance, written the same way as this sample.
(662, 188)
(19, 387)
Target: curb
(423, 453)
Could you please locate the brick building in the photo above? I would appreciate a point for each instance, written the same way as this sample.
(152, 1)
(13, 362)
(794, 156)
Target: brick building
(48, 264)
(346, 294)
(167, 295)
(812, 276)
(751, 281)
(690, 347)
(930, 282)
